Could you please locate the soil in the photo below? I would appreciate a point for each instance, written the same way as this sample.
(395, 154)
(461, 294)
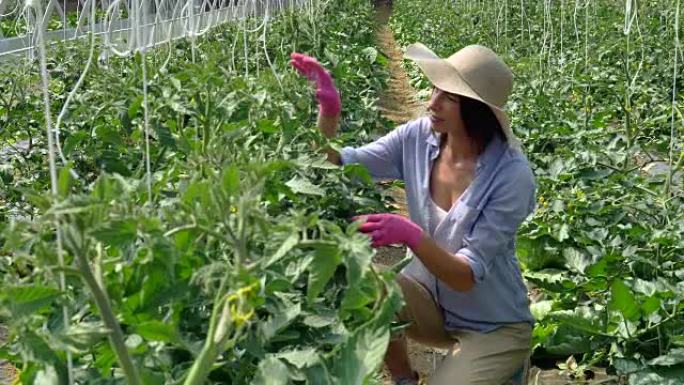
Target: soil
(7, 371)
(399, 105)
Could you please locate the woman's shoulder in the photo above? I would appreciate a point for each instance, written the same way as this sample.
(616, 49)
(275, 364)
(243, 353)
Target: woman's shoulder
(515, 167)
(419, 128)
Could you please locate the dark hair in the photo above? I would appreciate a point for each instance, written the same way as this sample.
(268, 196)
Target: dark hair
(480, 122)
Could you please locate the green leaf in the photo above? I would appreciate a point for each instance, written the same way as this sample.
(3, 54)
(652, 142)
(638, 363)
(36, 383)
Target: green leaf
(322, 268)
(581, 318)
(541, 309)
(551, 279)
(74, 140)
(357, 171)
(176, 84)
(371, 53)
(26, 300)
(231, 180)
(652, 378)
(318, 375)
(267, 126)
(677, 340)
(64, 181)
(356, 298)
(320, 320)
(673, 357)
(117, 232)
(563, 232)
(644, 287)
(626, 366)
(280, 320)
(301, 358)
(271, 371)
(650, 305)
(362, 354)
(135, 107)
(196, 192)
(289, 243)
(300, 185)
(165, 136)
(598, 269)
(47, 376)
(85, 335)
(157, 331)
(622, 299)
(575, 261)
(566, 341)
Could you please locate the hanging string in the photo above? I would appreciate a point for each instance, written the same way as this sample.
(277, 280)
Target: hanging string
(677, 49)
(562, 17)
(169, 38)
(140, 37)
(71, 95)
(268, 59)
(37, 8)
(109, 19)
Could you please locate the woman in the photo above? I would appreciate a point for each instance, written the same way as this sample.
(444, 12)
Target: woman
(468, 188)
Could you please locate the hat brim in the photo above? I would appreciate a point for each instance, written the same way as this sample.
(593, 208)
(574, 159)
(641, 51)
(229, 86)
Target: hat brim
(446, 77)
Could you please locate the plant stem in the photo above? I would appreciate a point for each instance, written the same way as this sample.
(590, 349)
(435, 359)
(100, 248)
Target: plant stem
(202, 366)
(116, 337)
(672, 171)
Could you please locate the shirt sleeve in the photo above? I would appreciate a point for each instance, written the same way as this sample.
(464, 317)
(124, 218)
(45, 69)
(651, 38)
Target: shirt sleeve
(495, 228)
(383, 158)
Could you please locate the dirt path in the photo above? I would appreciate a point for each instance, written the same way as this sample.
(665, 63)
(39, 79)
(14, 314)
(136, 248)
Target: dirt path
(399, 105)
(7, 370)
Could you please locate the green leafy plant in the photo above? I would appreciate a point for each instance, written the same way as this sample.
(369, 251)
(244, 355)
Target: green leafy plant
(242, 266)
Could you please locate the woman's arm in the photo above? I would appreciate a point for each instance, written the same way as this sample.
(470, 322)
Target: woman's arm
(383, 158)
(452, 269)
(387, 229)
(495, 229)
(329, 103)
(328, 126)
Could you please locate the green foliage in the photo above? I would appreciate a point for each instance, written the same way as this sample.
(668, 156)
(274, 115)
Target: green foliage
(592, 105)
(242, 267)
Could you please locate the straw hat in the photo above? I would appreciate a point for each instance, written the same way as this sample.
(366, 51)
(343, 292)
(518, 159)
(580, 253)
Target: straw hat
(475, 72)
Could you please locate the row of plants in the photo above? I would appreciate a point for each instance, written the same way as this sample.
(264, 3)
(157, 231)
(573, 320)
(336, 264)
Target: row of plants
(597, 104)
(16, 20)
(242, 265)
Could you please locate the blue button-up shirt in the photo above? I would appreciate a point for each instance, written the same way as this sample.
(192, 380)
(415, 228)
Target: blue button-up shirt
(481, 225)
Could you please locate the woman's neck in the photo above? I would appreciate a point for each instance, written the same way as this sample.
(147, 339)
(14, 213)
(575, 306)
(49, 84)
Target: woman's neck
(459, 148)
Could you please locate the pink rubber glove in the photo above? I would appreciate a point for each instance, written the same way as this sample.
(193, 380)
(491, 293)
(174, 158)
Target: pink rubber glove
(328, 98)
(387, 229)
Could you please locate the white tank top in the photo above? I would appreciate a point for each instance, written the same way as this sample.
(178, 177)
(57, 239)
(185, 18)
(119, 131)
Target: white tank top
(437, 215)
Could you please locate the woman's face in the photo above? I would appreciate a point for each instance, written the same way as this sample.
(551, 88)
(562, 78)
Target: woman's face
(445, 112)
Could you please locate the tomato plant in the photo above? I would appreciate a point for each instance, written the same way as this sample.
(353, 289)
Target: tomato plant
(242, 266)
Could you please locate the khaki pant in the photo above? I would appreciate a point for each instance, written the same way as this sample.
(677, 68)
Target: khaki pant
(474, 358)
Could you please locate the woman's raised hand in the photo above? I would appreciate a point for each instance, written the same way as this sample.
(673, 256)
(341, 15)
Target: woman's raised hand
(328, 98)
